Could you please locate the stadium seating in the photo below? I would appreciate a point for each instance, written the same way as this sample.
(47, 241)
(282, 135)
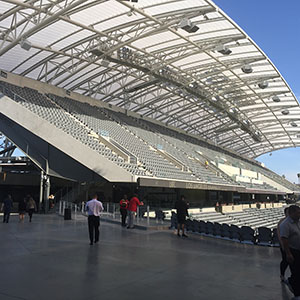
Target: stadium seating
(243, 227)
(154, 150)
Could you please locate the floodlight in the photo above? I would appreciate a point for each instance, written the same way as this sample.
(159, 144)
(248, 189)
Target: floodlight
(3, 74)
(193, 85)
(105, 63)
(247, 69)
(233, 110)
(276, 99)
(188, 26)
(215, 98)
(25, 44)
(223, 50)
(246, 122)
(264, 84)
(285, 112)
(293, 124)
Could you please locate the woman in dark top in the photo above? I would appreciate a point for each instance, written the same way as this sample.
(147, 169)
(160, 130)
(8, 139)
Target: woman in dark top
(22, 209)
(31, 207)
(123, 209)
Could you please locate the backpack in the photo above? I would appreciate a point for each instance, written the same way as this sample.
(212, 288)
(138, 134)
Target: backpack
(123, 203)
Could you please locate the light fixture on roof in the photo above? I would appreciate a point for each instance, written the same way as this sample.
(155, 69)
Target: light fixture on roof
(223, 50)
(276, 98)
(193, 85)
(246, 122)
(293, 124)
(257, 136)
(130, 13)
(215, 98)
(233, 110)
(285, 112)
(105, 63)
(25, 44)
(188, 26)
(247, 69)
(264, 84)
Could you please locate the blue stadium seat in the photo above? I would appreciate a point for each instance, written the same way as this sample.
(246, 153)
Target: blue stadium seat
(235, 233)
(264, 236)
(247, 235)
(217, 229)
(225, 231)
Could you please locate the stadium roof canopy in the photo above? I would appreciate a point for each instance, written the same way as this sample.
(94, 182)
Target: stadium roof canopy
(182, 62)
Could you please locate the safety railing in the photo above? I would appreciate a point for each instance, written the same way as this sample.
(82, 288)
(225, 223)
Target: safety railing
(146, 215)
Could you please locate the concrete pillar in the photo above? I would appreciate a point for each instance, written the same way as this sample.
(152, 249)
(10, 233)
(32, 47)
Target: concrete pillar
(41, 190)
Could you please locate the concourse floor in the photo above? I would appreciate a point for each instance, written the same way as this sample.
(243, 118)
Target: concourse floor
(51, 259)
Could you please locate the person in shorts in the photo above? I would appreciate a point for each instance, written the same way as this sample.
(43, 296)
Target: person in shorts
(182, 212)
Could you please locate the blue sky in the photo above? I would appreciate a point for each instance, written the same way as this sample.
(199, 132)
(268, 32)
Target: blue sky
(274, 25)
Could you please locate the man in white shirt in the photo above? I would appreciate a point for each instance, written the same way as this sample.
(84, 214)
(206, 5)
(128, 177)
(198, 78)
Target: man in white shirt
(290, 238)
(94, 207)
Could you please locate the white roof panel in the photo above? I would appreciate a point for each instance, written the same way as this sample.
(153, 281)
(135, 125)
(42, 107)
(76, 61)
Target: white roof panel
(180, 76)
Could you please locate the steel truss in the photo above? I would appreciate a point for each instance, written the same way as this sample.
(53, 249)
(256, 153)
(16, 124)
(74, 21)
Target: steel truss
(205, 92)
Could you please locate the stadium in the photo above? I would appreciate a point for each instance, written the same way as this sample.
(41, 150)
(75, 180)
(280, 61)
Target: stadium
(159, 98)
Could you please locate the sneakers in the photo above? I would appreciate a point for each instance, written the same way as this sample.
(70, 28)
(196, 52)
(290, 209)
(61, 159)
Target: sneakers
(282, 279)
(290, 288)
(183, 235)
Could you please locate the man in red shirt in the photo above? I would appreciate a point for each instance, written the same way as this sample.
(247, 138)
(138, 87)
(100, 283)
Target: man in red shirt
(132, 208)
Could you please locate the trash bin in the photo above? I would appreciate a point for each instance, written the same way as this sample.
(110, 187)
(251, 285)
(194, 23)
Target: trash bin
(67, 214)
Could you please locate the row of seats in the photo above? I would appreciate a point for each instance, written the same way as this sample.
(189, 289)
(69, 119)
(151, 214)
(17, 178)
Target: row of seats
(244, 234)
(255, 218)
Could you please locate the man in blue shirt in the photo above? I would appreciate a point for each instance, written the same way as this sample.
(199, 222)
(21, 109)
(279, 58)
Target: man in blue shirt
(94, 207)
(6, 207)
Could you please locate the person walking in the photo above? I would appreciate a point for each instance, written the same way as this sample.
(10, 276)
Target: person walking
(22, 209)
(123, 209)
(182, 212)
(31, 207)
(6, 208)
(132, 209)
(290, 237)
(284, 263)
(94, 207)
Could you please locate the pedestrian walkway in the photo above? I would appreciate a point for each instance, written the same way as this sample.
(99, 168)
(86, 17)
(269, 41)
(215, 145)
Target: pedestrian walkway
(52, 259)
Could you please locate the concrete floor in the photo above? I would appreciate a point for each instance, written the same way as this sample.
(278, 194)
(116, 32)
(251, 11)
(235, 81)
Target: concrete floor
(52, 259)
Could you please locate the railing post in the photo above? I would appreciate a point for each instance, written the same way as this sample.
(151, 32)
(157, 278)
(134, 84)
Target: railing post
(148, 215)
(82, 207)
(60, 208)
(75, 209)
(137, 214)
(64, 206)
(114, 213)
